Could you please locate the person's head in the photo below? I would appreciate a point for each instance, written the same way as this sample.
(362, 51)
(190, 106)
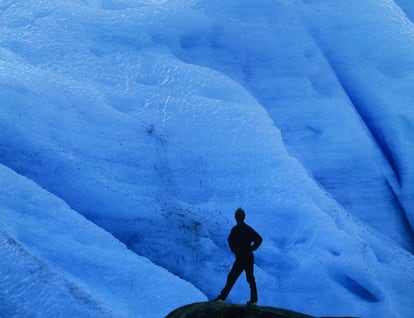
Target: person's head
(239, 215)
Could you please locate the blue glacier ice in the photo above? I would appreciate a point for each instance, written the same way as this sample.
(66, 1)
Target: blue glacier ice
(131, 130)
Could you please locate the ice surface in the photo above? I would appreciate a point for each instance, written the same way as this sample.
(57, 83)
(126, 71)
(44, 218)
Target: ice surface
(277, 56)
(55, 263)
(155, 120)
(374, 68)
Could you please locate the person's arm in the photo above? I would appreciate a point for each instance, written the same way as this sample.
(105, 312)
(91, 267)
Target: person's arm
(257, 240)
(231, 242)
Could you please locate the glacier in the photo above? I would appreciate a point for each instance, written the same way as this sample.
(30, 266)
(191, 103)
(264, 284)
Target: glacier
(55, 263)
(131, 130)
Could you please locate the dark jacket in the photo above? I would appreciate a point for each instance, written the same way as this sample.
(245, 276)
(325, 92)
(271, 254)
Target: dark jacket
(242, 237)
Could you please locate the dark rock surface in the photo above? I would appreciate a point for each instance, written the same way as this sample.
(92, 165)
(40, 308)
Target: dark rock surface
(226, 310)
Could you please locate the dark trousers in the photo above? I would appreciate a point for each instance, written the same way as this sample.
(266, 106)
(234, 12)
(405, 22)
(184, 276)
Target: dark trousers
(243, 262)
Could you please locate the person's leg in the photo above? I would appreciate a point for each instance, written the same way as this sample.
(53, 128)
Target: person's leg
(235, 272)
(249, 267)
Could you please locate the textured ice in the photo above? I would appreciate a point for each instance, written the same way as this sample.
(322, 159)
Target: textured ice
(155, 120)
(55, 263)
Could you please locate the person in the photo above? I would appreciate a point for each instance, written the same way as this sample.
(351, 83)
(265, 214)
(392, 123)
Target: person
(243, 240)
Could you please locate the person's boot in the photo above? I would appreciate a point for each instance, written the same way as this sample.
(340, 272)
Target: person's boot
(219, 298)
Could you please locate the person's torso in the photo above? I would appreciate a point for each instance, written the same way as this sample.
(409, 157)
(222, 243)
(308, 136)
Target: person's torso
(242, 237)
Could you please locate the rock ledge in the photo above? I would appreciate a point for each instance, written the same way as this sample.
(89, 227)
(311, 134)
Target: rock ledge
(226, 310)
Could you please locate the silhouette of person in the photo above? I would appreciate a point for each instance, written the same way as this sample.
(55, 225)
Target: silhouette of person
(243, 240)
